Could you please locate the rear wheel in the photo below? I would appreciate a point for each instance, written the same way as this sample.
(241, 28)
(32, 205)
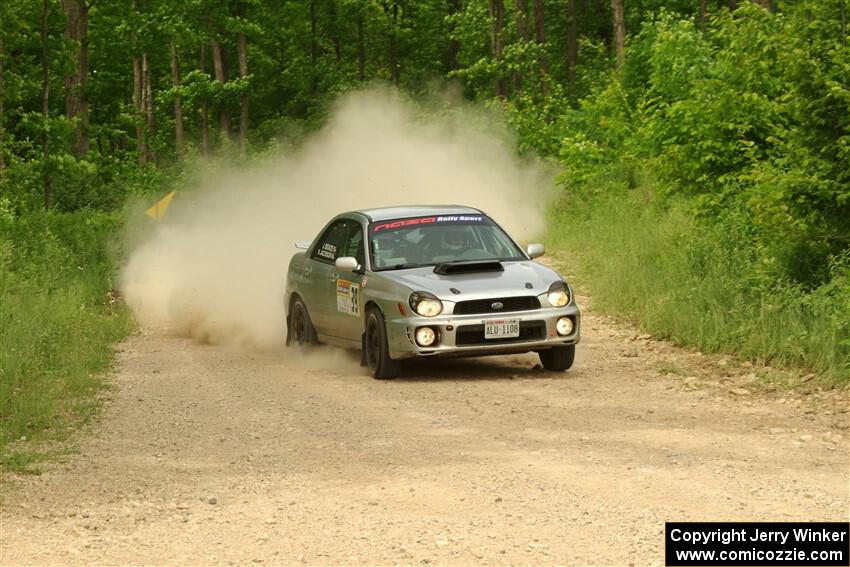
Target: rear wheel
(376, 348)
(300, 330)
(558, 358)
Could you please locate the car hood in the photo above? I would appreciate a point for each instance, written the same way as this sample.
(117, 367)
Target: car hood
(477, 285)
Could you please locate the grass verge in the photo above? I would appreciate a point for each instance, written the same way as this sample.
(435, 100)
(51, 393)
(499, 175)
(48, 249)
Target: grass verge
(701, 283)
(58, 325)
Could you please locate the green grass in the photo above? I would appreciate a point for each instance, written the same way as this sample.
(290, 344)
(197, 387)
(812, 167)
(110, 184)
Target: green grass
(666, 367)
(701, 284)
(58, 325)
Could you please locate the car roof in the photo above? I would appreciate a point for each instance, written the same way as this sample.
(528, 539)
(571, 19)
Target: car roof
(385, 213)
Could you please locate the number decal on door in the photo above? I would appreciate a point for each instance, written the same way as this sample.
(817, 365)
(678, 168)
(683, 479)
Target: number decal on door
(347, 297)
(355, 299)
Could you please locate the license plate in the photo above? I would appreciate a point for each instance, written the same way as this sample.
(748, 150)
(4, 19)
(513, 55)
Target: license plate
(502, 329)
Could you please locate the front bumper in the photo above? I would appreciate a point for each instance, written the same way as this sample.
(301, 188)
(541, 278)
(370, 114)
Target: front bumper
(463, 335)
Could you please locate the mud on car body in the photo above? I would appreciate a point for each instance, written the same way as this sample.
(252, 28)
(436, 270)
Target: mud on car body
(430, 281)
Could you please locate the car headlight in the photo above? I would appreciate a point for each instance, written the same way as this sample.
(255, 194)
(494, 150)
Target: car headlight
(559, 294)
(425, 304)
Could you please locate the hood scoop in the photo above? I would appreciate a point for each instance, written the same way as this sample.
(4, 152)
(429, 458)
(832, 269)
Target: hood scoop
(454, 268)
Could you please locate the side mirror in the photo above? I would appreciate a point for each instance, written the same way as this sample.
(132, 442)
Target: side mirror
(303, 244)
(535, 250)
(347, 265)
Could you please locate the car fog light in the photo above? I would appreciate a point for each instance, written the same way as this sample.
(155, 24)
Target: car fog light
(425, 336)
(564, 326)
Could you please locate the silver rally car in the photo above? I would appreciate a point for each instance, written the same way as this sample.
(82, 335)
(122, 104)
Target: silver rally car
(429, 281)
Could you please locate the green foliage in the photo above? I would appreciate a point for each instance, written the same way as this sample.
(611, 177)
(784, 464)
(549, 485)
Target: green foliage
(701, 282)
(741, 241)
(749, 114)
(58, 321)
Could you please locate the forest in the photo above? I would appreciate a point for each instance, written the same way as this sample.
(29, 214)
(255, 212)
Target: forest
(703, 150)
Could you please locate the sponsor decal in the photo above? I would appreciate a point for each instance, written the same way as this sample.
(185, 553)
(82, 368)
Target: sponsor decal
(403, 223)
(347, 297)
(327, 251)
(461, 218)
(364, 281)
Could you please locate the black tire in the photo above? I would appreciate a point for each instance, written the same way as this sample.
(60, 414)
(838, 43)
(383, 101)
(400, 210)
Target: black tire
(299, 329)
(559, 358)
(376, 350)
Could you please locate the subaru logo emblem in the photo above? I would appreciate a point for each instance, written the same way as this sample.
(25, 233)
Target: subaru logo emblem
(496, 305)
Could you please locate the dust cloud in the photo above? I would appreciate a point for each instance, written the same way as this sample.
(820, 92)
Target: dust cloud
(214, 268)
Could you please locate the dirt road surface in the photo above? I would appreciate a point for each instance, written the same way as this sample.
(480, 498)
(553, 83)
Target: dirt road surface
(210, 455)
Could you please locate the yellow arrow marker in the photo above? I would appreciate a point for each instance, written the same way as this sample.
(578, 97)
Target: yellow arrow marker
(158, 210)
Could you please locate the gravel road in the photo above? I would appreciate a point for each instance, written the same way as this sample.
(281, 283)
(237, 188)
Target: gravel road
(211, 455)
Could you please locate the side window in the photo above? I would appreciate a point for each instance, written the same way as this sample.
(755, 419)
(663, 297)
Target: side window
(330, 244)
(354, 243)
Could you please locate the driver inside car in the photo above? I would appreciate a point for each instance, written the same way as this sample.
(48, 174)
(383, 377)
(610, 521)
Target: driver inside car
(454, 241)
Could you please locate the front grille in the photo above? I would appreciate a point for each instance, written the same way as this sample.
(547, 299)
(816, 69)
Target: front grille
(467, 335)
(522, 303)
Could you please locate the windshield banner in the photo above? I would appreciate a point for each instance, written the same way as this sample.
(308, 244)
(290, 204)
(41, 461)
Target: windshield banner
(443, 219)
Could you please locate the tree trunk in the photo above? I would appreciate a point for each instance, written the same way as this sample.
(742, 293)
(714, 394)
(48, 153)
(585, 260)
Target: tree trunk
(572, 46)
(733, 5)
(243, 74)
(76, 103)
(334, 18)
(314, 51)
(540, 37)
(522, 27)
(703, 13)
(361, 47)
(766, 5)
(221, 77)
(138, 105)
(138, 97)
(395, 69)
(178, 107)
(497, 16)
(205, 110)
(2, 111)
(147, 103)
(619, 31)
(45, 105)
(453, 53)
(523, 34)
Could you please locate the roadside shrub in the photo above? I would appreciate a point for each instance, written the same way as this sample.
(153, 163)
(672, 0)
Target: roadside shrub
(703, 283)
(58, 321)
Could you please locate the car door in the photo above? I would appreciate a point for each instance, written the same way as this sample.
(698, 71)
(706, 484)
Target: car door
(347, 321)
(321, 274)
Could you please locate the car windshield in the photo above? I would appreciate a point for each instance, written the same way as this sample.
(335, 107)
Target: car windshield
(426, 241)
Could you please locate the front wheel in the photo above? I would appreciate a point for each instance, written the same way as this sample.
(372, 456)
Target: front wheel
(558, 358)
(377, 350)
